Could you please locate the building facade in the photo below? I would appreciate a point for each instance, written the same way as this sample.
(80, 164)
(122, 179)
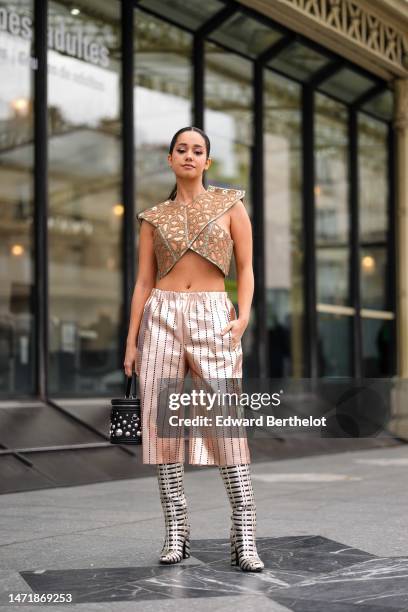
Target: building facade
(306, 107)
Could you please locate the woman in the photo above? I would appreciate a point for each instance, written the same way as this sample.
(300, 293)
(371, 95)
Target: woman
(183, 320)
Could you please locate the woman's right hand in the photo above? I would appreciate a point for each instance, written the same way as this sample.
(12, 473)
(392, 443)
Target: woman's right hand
(131, 358)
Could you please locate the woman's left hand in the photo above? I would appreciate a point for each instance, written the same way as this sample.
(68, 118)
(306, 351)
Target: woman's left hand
(237, 327)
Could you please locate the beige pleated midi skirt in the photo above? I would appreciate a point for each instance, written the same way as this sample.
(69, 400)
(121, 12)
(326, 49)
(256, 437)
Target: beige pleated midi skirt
(180, 332)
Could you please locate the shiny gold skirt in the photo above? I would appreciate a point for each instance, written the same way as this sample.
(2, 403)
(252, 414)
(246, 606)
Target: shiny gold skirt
(180, 332)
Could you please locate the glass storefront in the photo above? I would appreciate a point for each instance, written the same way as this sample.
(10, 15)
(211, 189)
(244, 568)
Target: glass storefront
(283, 221)
(374, 245)
(162, 94)
(332, 232)
(228, 122)
(190, 68)
(85, 208)
(17, 316)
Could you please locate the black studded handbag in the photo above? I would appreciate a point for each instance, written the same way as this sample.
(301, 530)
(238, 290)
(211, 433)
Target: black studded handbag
(125, 422)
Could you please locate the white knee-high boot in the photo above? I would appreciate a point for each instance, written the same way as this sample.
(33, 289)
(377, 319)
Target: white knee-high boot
(171, 485)
(238, 483)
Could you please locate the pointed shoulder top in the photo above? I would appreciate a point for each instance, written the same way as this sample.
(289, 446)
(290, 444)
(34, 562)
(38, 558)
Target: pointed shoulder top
(179, 227)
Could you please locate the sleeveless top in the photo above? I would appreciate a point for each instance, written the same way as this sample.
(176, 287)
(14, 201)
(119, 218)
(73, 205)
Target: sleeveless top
(179, 227)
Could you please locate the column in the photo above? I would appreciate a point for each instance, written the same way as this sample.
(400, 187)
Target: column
(401, 177)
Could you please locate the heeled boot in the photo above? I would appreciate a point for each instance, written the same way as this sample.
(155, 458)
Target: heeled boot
(171, 485)
(238, 483)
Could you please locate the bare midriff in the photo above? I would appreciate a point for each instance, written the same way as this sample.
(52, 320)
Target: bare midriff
(192, 273)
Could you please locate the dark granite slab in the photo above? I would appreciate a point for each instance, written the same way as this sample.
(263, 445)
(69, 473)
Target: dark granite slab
(304, 573)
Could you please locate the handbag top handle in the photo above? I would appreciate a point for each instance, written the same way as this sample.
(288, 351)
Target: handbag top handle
(131, 383)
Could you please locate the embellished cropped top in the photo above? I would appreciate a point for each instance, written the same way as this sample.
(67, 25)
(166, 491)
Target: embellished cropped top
(179, 227)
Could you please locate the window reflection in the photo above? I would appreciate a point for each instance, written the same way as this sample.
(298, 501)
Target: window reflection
(381, 105)
(334, 344)
(17, 356)
(299, 61)
(332, 238)
(246, 35)
(373, 185)
(228, 123)
(331, 202)
(283, 226)
(162, 102)
(196, 14)
(378, 347)
(228, 117)
(347, 85)
(373, 277)
(375, 271)
(85, 209)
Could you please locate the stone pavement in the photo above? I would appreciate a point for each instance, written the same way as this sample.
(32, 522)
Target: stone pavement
(332, 531)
